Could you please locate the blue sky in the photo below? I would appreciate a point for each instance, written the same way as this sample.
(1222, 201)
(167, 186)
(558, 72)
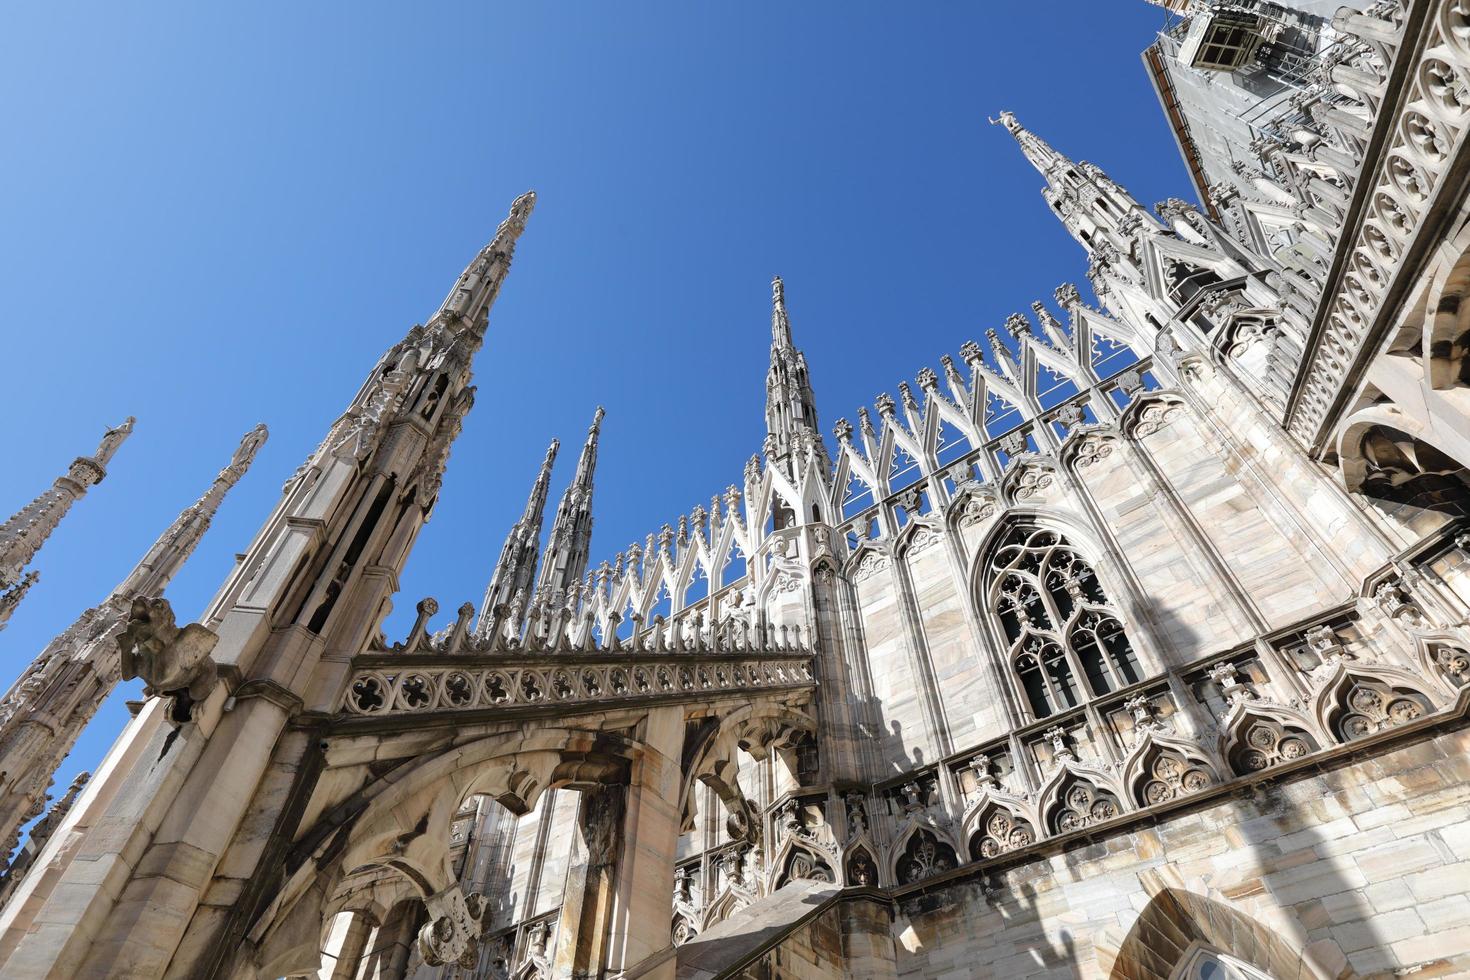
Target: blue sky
(213, 215)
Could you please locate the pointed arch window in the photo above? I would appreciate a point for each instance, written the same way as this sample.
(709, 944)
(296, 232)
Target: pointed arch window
(1066, 642)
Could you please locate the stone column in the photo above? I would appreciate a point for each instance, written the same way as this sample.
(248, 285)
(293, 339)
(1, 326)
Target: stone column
(349, 944)
(587, 900)
(643, 902)
(388, 952)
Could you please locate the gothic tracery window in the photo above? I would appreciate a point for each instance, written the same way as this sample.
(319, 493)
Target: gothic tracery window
(1369, 706)
(1053, 612)
(998, 831)
(1268, 742)
(924, 856)
(1080, 805)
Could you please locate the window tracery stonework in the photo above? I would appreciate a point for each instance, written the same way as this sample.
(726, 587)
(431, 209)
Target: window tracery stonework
(1171, 776)
(999, 831)
(1371, 706)
(925, 856)
(1081, 805)
(1058, 620)
(1268, 743)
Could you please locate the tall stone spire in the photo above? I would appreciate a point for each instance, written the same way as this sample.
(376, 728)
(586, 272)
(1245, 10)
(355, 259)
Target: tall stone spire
(792, 435)
(22, 536)
(571, 532)
(46, 709)
(1095, 210)
(516, 569)
(1037, 150)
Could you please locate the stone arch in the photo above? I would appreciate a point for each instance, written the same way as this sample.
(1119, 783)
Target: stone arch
(971, 504)
(797, 862)
(1087, 444)
(682, 929)
(1262, 736)
(1447, 325)
(710, 744)
(397, 847)
(920, 533)
(1045, 602)
(860, 868)
(1384, 455)
(996, 827)
(1076, 798)
(725, 905)
(921, 852)
(1356, 703)
(1161, 768)
(1028, 477)
(1447, 659)
(1149, 412)
(867, 560)
(1262, 350)
(1176, 922)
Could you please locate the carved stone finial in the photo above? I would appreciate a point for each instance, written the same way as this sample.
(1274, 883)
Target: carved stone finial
(980, 766)
(1142, 709)
(1061, 751)
(1225, 675)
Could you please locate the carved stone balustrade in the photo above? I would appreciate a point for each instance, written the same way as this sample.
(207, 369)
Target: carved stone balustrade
(392, 685)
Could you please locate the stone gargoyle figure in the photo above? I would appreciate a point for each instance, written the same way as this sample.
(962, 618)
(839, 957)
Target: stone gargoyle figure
(173, 662)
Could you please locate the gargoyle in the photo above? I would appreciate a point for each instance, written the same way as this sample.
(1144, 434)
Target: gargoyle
(173, 662)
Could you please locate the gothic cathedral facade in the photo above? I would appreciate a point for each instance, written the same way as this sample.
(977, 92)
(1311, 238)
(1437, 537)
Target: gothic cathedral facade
(1131, 642)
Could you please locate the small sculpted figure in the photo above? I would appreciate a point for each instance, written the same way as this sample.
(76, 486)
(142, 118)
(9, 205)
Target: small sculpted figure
(173, 662)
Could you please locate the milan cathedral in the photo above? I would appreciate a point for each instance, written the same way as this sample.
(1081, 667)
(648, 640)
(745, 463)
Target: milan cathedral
(1130, 640)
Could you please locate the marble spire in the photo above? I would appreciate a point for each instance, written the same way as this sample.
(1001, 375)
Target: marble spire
(47, 707)
(516, 570)
(792, 434)
(571, 531)
(21, 537)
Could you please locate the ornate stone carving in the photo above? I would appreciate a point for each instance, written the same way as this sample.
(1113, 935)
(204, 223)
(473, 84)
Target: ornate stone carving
(1394, 598)
(871, 564)
(1170, 776)
(452, 934)
(857, 814)
(1267, 742)
(1083, 804)
(172, 662)
(1154, 416)
(999, 830)
(923, 857)
(861, 870)
(1224, 674)
(1370, 706)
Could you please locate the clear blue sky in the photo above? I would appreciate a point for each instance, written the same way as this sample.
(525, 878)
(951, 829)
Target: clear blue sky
(213, 215)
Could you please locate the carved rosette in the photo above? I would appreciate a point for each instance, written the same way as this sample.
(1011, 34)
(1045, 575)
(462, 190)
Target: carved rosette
(452, 934)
